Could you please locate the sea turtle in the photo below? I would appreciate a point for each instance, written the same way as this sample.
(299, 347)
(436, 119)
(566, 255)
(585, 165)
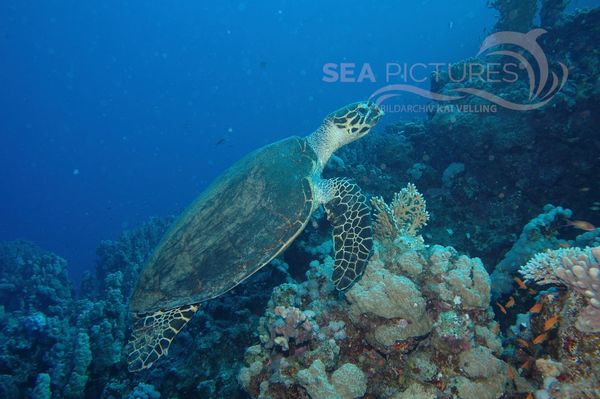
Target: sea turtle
(247, 217)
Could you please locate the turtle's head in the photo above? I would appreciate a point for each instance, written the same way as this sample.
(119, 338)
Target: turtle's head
(342, 127)
(353, 121)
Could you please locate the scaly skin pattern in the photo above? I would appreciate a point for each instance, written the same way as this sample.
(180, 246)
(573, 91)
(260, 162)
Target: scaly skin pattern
(349, 213)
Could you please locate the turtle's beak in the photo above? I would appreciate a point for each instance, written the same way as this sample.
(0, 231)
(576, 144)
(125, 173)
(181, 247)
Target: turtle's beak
(374, 115)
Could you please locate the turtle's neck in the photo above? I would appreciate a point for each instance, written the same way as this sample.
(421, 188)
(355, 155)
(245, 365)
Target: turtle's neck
(325, 141)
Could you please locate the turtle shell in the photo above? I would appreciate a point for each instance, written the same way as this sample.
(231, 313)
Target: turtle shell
(247, 217)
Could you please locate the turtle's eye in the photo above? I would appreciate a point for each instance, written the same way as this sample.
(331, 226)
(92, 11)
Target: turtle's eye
(357, 119)
(362, 110)
(375, 114)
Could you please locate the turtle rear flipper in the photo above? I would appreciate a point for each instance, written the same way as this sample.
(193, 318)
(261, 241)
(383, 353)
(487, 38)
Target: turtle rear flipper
(349, 213)
(153, 333)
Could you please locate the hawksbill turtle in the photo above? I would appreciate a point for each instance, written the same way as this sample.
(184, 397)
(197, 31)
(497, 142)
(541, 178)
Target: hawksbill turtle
(243, 220)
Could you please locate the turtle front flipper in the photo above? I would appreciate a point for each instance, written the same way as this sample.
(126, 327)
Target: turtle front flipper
(349, 213)
(153, 333)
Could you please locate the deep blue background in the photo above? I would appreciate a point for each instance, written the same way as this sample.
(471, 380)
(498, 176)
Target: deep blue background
(110, 113)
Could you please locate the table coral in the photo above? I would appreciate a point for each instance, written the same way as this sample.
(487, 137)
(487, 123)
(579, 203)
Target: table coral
(579, 270)
(539, 234)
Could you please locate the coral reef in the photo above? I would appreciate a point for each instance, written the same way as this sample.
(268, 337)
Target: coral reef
(57, 346)
(577, 269)
(33, 279)
(394, 333)
(539, 234)
(555, 344)
(144, 391)
(515, 15)
(35, 333)
(417, 321)
(514, 162)
(552, 11)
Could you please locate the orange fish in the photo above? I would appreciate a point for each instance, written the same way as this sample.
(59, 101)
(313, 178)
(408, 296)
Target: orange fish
(551, 322)
(525, 365)
(549, 297)
(520, 283)
(537, 308)
(522, 342)
(496, 328)
(502, 308)
(529, 396)
(564, 245)
(511, 373)
(540, 338)
(581, 225)
(510, 303)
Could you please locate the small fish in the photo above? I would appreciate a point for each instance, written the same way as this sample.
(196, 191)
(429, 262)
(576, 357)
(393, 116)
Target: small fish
(511, 373)
(564, 245)
(520, 283)
(531, 291)
(525, 365)
(502, 308)
(220, 141)
(529, 396)
(510, 303)
(540, 338)
(537, 308)
(584, 189)
(549, 298)
(551, 322)
(522, 342)
(581, 225)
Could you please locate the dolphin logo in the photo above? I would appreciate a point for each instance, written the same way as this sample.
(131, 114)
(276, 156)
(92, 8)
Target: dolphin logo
(542, 82)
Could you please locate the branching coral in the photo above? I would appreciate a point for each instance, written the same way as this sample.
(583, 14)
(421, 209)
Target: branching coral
(404, 216)
(576, 268)
(82, 357)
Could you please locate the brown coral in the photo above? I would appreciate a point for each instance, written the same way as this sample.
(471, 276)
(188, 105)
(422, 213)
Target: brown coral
(404, 216)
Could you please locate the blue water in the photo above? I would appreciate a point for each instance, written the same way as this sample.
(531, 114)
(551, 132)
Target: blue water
(112, 112)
